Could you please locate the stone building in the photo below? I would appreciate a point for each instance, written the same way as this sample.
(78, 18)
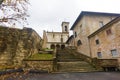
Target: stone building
(86, 24)
(54, 40)
(70, 41)
(18, 44)
(105, 42)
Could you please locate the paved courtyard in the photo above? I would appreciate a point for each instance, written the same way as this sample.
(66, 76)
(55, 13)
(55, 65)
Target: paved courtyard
(68, 76)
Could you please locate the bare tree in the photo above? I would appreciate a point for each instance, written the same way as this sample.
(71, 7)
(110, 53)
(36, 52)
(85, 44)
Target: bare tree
(13, 12)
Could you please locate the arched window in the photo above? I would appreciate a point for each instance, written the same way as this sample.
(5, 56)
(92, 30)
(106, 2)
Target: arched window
(62, 46)
(57, 46)
(52, 46)
(79, 43)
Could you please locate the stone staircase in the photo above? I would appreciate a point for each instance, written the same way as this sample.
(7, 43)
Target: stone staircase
(67, 61)
(78, 66)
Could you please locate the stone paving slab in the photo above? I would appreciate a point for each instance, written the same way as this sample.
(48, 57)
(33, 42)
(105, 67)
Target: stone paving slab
(68, 76)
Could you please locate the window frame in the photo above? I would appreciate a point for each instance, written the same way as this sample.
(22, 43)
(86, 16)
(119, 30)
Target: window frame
(79, 43)
(115, 54)
(97, 41)
(109, 31)
(99, 54)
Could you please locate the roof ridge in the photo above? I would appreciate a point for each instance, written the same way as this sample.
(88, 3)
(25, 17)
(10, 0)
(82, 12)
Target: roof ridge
(91, 13)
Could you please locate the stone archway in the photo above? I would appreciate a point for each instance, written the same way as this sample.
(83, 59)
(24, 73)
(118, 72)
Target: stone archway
(52, 46)
(58, 46)
(62, 46)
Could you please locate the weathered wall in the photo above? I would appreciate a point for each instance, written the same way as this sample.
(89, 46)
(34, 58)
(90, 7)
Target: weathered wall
(17, 44)
(87, 25)
(56, 38)
(70, 41)
(43, 65)
(106, 42)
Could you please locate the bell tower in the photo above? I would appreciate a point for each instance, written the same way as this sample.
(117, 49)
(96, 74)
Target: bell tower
(65, 26)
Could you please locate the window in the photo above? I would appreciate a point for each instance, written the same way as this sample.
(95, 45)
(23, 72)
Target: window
(114, 53)
(99, 54)
(79, 43)
(101, 23)
(66, 28)
(108, 32)
(75, 34)
(97, 42)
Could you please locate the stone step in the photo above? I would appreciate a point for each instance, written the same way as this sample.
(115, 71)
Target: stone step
(77, 70)
(74, 64)
(69, 60)
(78, 66)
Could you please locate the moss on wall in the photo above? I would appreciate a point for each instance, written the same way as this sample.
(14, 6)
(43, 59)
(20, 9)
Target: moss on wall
(17, 44)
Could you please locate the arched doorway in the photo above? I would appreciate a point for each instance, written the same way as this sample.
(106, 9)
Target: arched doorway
(52, 46)
(62, 46)
(57, 46)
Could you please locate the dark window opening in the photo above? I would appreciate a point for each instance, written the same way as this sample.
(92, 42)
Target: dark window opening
(52, 46)
(109, 32)
(79, 43)
(97, 41)
(62, 46)
(57, 46)
(114, 68)
(75, 34)
(66, 28)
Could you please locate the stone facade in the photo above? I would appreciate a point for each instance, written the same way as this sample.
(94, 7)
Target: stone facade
(86, 24)
(70, 41)
(56, 39)
(17, 44)
(105, 42)
(43, 65)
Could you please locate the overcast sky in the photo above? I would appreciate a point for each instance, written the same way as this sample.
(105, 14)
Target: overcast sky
(49, 14)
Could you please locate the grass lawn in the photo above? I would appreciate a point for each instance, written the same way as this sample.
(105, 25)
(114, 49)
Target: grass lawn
(42, 56)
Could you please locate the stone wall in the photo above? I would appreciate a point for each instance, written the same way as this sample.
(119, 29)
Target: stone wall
(108, 46)
(86, 26)
(102, 63)
(17, 44)
(107, 42)
(40, 65)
